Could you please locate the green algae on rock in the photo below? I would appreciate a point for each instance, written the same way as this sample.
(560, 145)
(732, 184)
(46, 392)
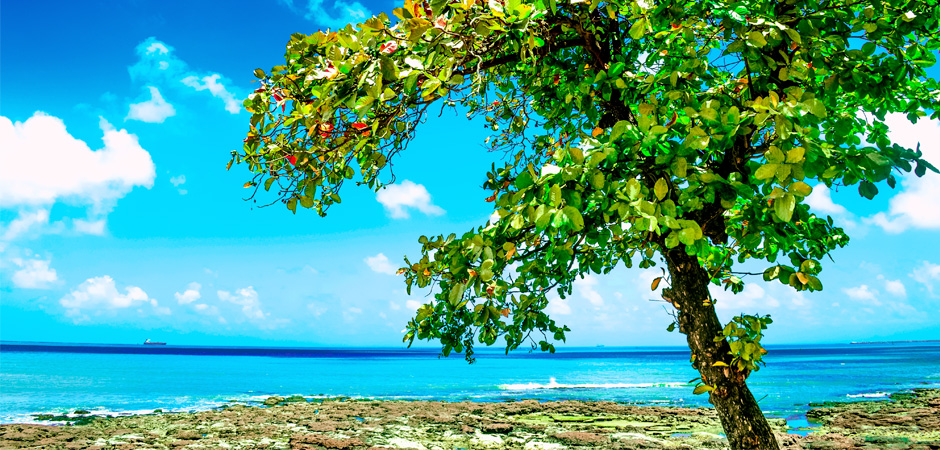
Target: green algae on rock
(903, 422)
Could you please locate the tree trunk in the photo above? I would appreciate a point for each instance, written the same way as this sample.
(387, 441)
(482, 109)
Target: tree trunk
(741, 417)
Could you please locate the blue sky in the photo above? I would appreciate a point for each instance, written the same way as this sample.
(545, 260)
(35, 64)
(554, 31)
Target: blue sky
(119, 223)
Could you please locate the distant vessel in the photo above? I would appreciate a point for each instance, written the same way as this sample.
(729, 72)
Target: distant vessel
(149, 342)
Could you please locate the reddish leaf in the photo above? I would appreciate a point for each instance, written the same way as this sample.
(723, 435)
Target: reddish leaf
(292, 159)
(389, 47)
(359, 126)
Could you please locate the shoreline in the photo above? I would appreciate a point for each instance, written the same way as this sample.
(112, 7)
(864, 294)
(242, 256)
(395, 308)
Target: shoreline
(906, 420)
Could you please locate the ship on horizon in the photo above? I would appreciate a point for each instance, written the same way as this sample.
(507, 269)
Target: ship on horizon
(149, 342)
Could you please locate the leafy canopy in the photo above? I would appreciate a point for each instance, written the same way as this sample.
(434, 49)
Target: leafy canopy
(629, 128)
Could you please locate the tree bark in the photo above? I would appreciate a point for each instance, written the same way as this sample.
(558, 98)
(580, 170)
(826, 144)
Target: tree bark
(741, 417)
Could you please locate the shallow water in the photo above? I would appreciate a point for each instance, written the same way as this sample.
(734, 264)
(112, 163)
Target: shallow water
(125, 379)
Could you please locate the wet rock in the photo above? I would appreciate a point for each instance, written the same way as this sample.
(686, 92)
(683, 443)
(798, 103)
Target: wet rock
(499, 428)
(582, 438)
(274, 400)
(318, 441)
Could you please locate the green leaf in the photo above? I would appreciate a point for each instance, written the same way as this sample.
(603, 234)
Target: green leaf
(639, 28)
(661, 188)
(815, 107)
(784, 206)
(574, 217)
(867, 189)
(756, 38)
(633, 189)
(766, 172)
(793, 35)
(800, 188)
(702, 388)
(618, 130)
(710, 114)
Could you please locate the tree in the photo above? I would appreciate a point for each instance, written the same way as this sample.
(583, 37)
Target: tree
(634, 132)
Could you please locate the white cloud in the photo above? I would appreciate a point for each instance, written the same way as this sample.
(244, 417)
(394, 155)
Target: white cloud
(393, 306)
(397, 197)
(895, 287)
(217, 89)
(863, 294)
(927, 274)
(344, 12)
(69, 170)
(558, 306)
(820, 200)
(753, 297)
(190, 295)
(585, 288)
(95, 227)
(917, 205)
(25, 222)
(155, 110)
(247, 298)
(379, 264)
(413, 304)
(158, 65)
(33, 274)
(101, 293)
(178, 181)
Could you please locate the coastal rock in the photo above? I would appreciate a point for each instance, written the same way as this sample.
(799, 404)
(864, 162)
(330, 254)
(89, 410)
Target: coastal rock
(909, 421)
(317, 441)
(274, 400)
(582, 438)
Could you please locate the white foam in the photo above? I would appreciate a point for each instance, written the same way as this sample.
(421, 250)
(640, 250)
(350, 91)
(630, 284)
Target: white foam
(869, 395)
(553, 384)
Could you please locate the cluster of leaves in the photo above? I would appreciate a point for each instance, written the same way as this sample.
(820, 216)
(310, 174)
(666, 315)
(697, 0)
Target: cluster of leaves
(630, 128)
(743, 334)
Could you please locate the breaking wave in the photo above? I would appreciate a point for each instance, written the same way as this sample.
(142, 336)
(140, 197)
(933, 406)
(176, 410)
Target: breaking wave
(869, 395)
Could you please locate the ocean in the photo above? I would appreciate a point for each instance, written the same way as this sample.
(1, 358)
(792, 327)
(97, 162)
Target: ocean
(125, 379)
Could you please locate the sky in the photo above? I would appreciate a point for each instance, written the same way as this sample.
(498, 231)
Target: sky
(119, 222)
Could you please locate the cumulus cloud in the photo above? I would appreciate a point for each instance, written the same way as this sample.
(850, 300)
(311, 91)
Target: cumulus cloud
(247, 298)
(751, 299)
(917, 205)
(927, 274)
(896, 288)
(338, 16)
(379, 264)
(558, 306)
(65, 168)
(396, 198)
(33, 274)
(413, 305)
(101, 293)
(191, 294)
(95, 227)
(25, 223)
(155, 110)
(820, 200)
(863, 294)
(217, 89)
(158, 65)
(585, 288)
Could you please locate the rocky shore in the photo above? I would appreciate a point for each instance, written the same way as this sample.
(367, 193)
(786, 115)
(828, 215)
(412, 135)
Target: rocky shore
(906, 421)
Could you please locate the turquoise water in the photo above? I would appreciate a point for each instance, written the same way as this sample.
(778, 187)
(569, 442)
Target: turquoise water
(126, 379)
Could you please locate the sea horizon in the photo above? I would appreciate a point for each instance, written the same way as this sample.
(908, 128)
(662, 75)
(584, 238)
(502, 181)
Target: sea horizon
(120, 379)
